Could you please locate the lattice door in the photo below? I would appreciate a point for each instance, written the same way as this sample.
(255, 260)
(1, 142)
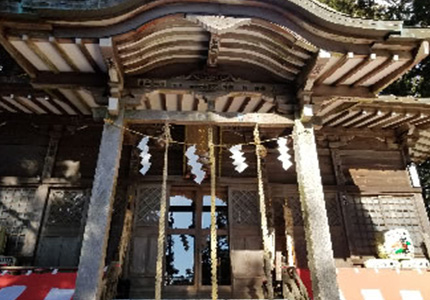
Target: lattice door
(145, 232)
(246, 243)
(62, 232)
(16, 213)
(371, 215)
(147, 205)
(245, 208)
(334, 215)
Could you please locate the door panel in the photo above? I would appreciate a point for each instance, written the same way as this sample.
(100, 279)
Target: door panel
(143, 253)
(63, 227)
(246, 245)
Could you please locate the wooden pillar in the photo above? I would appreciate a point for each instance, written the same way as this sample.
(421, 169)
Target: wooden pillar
(93, 251)
(318, 242)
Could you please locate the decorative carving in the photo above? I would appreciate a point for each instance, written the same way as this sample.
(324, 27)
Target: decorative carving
(211, 77)
(211, 82)
(245, 207)
(214, 46)
(219, 24)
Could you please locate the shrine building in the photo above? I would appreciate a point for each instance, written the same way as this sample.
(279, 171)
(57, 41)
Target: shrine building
(210, 149)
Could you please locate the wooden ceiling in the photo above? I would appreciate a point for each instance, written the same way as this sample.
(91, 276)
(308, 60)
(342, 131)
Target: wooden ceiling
(49, 54)
(68, 102)
(239, 45)
(231, 103)
(75, 61)
(385, 112)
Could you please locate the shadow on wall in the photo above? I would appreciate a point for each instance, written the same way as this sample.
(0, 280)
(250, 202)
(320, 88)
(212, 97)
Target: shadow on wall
(69, 169)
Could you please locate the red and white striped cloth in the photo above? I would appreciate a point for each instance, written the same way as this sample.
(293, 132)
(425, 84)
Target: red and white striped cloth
(354, 284)
(48, 286)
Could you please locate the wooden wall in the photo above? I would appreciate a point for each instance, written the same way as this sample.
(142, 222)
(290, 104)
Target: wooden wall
(364, 177)
(46, 171)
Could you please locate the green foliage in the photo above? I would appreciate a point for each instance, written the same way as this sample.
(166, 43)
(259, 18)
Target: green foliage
(421, 13)
(361, 8)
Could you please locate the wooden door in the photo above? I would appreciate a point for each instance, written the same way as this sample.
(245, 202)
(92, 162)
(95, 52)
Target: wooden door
(186, 255)
(143, 253)
(63, 226)
(246, 244)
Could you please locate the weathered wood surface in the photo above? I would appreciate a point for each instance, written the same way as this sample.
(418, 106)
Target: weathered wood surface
(93, 252)
(318, 242)
(220, 119)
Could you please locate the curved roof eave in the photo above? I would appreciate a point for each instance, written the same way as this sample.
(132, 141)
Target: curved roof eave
(311, 11)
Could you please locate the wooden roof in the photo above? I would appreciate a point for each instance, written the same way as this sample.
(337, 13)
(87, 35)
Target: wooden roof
(72, 55)
(407, 116)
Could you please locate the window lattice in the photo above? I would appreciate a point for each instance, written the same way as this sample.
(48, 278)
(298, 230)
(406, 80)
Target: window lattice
(333, 211)
(370, 215)
(245, 207)
(15, 215)
(67, 207)
(148, 206)
(294, 205)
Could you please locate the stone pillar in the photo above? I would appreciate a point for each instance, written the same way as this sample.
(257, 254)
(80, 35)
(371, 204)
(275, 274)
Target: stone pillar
(318, 242)
(93, 251)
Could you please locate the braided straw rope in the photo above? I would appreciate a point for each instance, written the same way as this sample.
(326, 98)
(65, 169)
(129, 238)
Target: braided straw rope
(162, 219)
(262, 202)
(132, 131)
(214, 242)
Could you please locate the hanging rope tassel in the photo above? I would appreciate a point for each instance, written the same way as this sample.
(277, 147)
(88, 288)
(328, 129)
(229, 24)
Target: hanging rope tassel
(264, 230)
(214, 241)
(162, 219)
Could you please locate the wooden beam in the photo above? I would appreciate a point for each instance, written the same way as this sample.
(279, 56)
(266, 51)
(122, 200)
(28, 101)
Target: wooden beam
(51, 154)
(221, 119)
(422, 52)
(67, 106)
(355, 70)
(347, 116)
(19, 89)
(363, 132)
(40, 54)
(313, 70)
(207, 83)
(115, 70)
(55, 104)
(342, 91)
(47, 80)
(335, 67)
(87, 55)
(388, 62)
(16, 55)
(63, 54)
